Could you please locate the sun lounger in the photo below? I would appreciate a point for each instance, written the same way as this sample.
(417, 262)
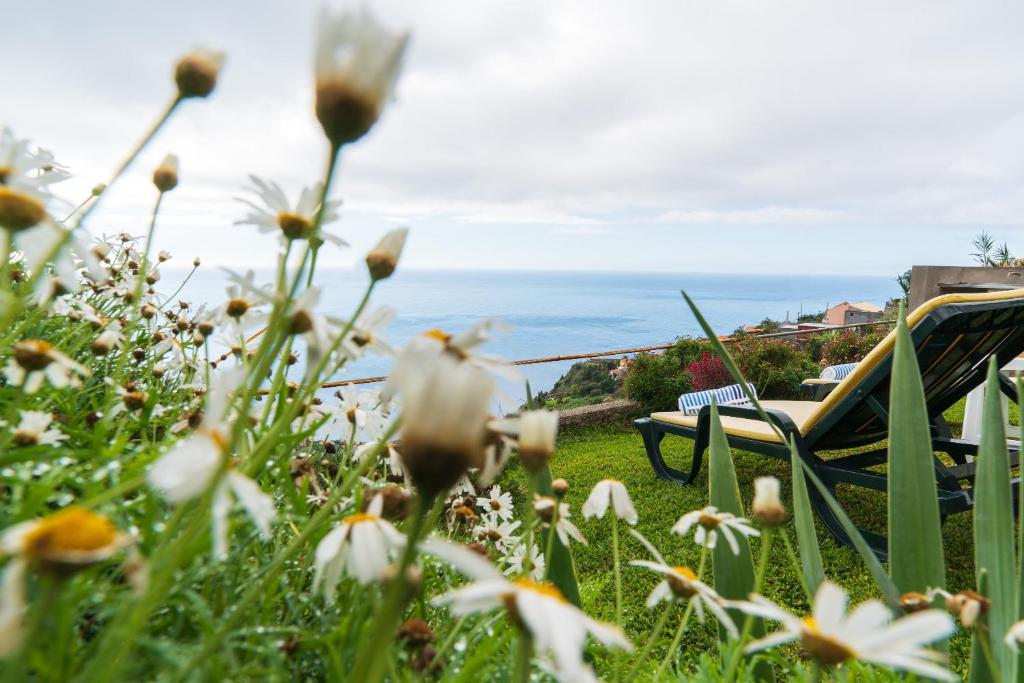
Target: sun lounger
(955, 335)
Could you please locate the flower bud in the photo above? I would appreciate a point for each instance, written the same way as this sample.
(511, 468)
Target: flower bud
(767, 508)
(165, 177)
(560, 487)
(383, 259)
(98, 189)
(536, 443)
(195, 262)
(196, 73)
(357, 63)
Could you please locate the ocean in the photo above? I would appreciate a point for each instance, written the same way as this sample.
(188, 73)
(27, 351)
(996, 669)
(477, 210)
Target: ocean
(562, 313)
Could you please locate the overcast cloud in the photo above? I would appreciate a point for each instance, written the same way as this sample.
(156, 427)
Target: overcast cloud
(795, 136)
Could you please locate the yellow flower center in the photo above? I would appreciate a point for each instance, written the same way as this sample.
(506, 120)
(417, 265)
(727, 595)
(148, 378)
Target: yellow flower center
(72, 529)
(294, 226)
(548, 590)
(33, 354)
(236, 308)
(359, 518)
(824, 648)
(19, 211)
(708, 521)
(681, 588)
(438, 335)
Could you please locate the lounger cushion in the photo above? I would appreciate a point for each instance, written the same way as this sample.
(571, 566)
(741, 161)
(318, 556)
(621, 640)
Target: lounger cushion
(798, 411)
(838, 371)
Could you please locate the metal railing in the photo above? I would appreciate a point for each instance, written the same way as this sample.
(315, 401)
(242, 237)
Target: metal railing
(623, 352)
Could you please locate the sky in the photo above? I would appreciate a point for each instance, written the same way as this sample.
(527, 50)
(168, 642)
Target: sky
(729, 136)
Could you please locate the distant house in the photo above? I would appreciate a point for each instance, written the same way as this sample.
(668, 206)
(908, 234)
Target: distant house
(852, 314)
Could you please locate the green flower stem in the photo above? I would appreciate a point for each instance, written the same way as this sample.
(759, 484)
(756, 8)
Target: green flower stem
(675, 641)
(748, 622)
(524, 655)
(618, 585)
(150, 134)
(549, 548)
(795, 561)
(659, 626)
(6, 245)
(373, 656)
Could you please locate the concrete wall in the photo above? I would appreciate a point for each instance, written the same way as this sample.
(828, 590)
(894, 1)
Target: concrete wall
(928, 282)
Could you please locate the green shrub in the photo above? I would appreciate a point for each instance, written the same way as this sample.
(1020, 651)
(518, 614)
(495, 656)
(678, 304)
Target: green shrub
(655, 381)
(844, 347)
(774, 366)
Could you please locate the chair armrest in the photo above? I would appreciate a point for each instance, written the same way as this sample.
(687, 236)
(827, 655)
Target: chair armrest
(776, 417)
(816, 389)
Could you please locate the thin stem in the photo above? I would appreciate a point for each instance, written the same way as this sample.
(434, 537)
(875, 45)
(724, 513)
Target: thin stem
(795, 561)
(659, 626)
(168, 110)
(675, 641)
(524, 654)
(549, 547)
(618, 585)
(370, 665)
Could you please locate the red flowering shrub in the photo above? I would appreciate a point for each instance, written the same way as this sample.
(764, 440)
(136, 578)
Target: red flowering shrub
(709, 372)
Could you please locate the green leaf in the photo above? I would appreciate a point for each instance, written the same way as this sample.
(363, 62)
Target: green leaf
(1019, 664)
(885, 584)
(994, 537)
(915, 535)
(734, 574)
(980, 672)
(803, 521)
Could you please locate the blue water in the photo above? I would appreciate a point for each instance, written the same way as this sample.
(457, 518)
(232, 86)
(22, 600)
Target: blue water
(552, 313)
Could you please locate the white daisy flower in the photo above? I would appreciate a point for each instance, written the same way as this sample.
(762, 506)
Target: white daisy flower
(189, 467)
(868, 634)
(545, 506)
(497, 502)
(497, 532)
(382, 260)
(683, 583)
(357, 63)
(461, 347)
(244, 305)
(34, 430)
(25, 177)
(64, 541)
(35, 360)
(362, 546)
(444, 422)
(518, 564)
(277, 215)
(557, 628)
(610, 491)
(709, 522)
(365, 334)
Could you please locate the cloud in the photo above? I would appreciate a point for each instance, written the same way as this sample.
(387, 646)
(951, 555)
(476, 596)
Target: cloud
(583, 230)
(589, 115)
(769, 215)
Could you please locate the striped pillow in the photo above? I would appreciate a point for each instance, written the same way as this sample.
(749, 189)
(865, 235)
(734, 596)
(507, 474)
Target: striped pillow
(732, 395)
(837, 371)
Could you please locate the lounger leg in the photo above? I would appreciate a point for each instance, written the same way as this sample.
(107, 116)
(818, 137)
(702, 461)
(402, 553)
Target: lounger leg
(879, 544)
(652, 436)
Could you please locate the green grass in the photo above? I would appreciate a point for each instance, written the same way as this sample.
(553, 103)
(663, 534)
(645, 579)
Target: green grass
(584, 457)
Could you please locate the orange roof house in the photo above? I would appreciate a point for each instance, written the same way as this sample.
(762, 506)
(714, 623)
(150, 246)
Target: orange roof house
(851, 314)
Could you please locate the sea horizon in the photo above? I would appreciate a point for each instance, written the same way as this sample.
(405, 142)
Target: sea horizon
(556, 313)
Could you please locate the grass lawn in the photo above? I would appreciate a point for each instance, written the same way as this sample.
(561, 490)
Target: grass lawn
(585, 457)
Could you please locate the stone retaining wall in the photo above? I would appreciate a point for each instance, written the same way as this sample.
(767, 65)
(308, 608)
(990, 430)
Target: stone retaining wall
(618, 411)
